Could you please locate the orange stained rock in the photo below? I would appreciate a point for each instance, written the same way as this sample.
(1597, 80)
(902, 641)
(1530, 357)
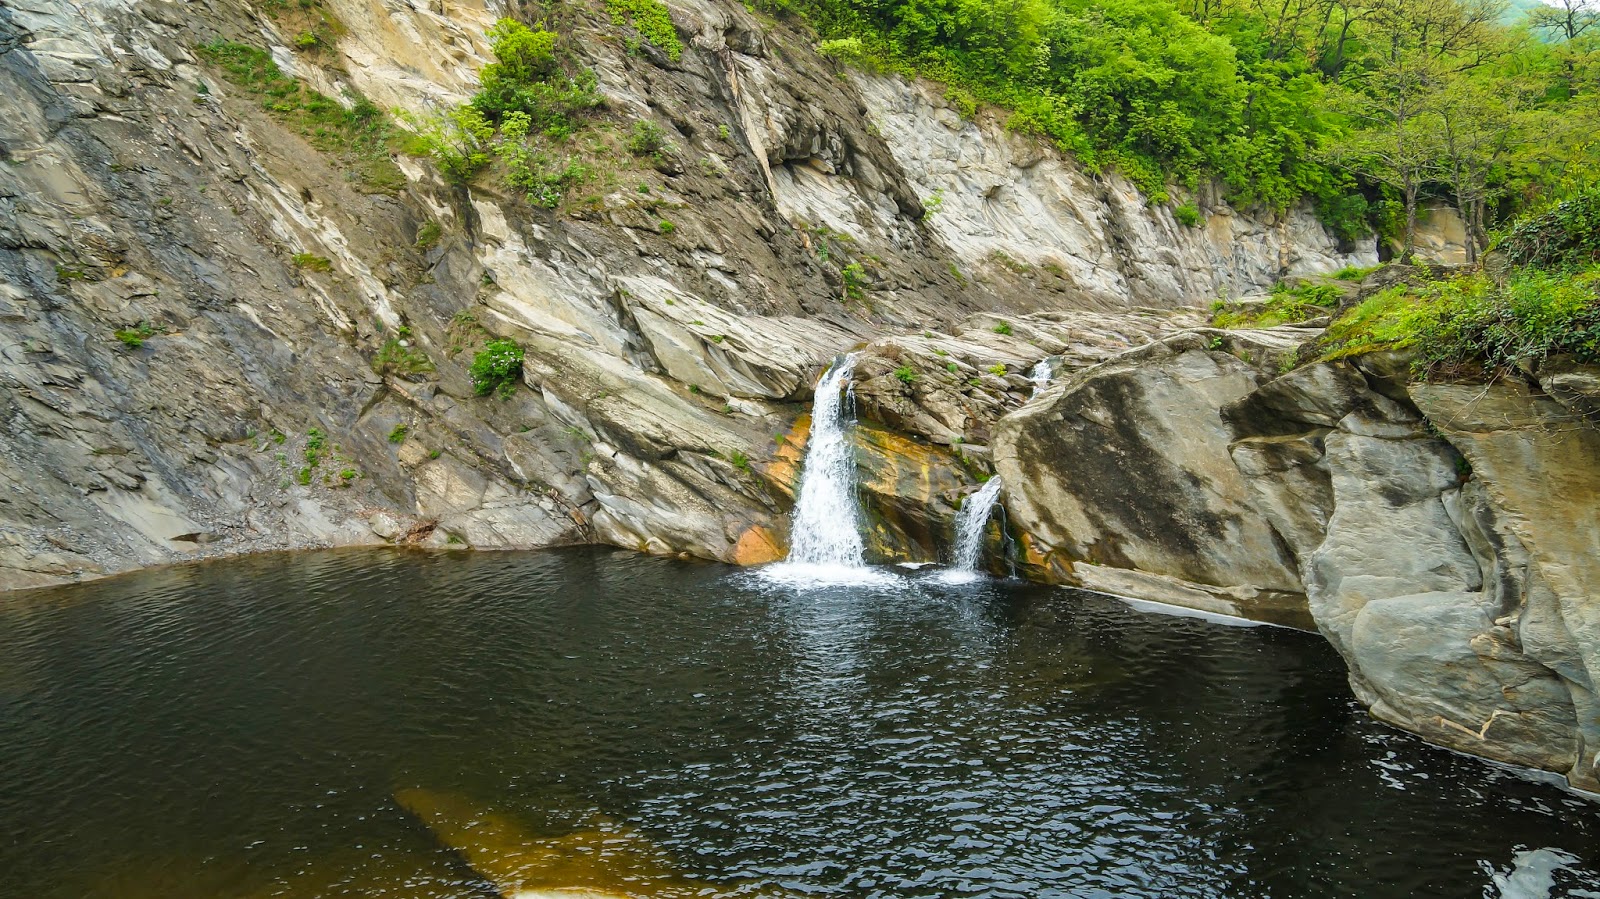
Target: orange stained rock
(757, 545)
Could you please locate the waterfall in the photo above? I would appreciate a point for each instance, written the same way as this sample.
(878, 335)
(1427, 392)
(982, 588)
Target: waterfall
(971, 523)
(825, 543)
(1040, 375)
(826, 528)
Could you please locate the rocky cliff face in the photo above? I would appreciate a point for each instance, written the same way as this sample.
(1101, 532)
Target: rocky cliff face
(300, 314)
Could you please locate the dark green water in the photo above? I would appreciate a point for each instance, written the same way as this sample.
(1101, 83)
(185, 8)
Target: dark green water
(240, 729)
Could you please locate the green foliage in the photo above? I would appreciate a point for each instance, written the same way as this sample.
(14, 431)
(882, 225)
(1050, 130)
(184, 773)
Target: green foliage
(457, 141)
(845, 49)
(1187, 214)
(666, 227)
(997, 369)
(739, 460)
(906, 374)
(854, 276)
(134, 337)
(1355, 272)
(528, 76)
(528, 105)
(358, 133)
(1286, 305)
(312, 262)
(1002, 328)
(348, 474)
(1566, 235)
(645, 138)
(398, 435)
(1256, 95)
(650, 19)
(1471, 321)
(398, 356)
(428, 235)
(496, 368)
(303, 477)
(316, 442)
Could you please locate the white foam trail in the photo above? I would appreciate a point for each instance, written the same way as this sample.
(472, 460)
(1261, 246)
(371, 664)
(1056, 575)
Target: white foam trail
(971, 525)
(1533, 875)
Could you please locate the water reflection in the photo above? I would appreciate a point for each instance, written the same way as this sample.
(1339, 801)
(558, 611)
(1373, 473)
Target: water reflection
(253, 728)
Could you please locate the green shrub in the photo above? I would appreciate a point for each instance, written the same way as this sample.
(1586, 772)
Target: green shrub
(650, 19)
(1002, 328)
(316, 441)
(303, 477)
(1566, 236)
(496, 368)
(1355, 272)
(645, 138)
(134, 337)
(1470, 321)
(844, 49)
(997, 370)
(457, 141)
(666, 227)
(393, 358)
(428, 235)
(398, 435)
(528, 77)
(1187, 215)
(855, 281)
(739, 460)
(905, 374)
(312, 262)
(1284, 306)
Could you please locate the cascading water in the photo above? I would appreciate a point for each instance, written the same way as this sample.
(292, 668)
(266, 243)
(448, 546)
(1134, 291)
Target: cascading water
(1040, 375)
(971, 522)
(825, 543)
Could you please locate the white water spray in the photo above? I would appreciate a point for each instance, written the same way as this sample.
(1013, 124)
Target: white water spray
(825, 545)
(971, 524)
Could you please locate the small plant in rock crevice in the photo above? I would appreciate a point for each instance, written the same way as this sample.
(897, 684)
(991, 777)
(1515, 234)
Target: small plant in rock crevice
(496, 368)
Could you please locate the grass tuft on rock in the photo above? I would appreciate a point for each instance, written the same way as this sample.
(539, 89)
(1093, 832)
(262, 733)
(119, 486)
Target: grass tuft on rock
(356, 131)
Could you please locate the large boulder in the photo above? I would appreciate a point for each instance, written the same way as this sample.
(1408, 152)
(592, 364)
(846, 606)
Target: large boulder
(1121, 480)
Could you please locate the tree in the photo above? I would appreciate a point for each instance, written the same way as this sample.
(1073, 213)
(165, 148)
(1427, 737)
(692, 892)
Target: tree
(1394, 94)
(1480, 117)
(1565, 19)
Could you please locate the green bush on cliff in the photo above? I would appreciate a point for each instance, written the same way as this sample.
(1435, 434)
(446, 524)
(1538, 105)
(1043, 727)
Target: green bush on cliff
(1471, 322)
(650, 19)
(1567, 235)
(496, 368)
(531, 100)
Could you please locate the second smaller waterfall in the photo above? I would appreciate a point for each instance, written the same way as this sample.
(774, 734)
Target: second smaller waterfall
(1040, 375)
(971, 523)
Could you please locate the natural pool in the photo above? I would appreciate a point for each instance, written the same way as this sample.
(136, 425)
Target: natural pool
(370, 723)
